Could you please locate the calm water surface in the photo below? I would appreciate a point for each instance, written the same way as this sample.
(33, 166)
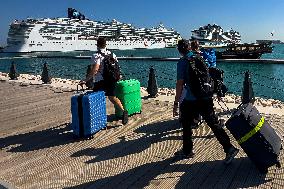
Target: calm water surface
(268, 78)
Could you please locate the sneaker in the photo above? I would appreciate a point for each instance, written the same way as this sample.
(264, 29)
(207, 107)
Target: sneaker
(231, 154)
(124, 117)
(185, 156)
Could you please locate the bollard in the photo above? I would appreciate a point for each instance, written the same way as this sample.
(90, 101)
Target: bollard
(248, 94)
(46, 79)
(89, 84)
(152, 88)
(13, 73)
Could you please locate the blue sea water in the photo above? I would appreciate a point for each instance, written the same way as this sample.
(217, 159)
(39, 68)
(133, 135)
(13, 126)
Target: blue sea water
(268, 78)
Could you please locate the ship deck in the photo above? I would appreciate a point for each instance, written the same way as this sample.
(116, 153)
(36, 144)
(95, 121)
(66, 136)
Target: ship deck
(38, 149)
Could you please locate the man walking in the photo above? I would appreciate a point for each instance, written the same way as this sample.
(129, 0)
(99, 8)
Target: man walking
(101, 83)
(191, 107)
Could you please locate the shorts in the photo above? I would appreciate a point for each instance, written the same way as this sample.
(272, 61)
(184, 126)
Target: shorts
(108, 88)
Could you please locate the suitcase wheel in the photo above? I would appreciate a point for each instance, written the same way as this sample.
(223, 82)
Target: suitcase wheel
(278, 164)
(89, 137)
(263, 170)
(76, 137)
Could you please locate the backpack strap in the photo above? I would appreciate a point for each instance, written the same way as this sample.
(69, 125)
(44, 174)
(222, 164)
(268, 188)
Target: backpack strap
(104, 55)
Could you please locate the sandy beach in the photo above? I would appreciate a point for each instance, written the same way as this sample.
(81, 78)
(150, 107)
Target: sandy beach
(37, 148)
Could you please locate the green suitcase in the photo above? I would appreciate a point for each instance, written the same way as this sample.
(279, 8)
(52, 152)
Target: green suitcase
(128, 92)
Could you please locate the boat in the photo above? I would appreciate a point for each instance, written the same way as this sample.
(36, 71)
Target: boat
(77, 33)
(268, 41)
(245, 51)
(213, 36)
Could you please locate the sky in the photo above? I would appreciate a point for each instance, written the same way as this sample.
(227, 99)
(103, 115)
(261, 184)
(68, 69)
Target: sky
(253, 19)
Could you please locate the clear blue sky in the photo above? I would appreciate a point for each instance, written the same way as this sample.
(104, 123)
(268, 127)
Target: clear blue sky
(254, 19)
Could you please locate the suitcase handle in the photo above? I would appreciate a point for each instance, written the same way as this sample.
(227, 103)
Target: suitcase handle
(82, 88)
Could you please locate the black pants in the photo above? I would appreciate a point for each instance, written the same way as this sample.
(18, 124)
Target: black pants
(190, 110)
(108, 88)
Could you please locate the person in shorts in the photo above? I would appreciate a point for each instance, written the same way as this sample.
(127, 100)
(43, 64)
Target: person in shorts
(96, 74)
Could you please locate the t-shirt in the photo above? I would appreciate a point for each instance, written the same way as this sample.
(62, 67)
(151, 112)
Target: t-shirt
(98, 58)
(182, 74)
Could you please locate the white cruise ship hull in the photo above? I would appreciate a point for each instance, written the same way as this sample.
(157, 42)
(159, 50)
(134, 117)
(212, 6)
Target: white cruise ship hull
(82, 45)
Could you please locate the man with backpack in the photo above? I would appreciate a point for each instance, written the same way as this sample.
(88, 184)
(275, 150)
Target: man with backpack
(216, 74)
(105, 72)
(193, 77)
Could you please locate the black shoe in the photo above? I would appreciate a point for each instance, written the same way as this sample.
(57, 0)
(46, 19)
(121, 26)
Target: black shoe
(125, 117)
(195, 125)
(184, 155)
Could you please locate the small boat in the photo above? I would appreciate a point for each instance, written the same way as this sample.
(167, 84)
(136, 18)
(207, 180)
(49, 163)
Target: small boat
(244, 51)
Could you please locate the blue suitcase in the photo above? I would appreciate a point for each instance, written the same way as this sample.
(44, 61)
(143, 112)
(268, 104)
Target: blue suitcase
(88, 113)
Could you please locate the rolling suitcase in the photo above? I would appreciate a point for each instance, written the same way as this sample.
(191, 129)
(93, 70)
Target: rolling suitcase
(128, 92)
(256, 137)
(88, 113)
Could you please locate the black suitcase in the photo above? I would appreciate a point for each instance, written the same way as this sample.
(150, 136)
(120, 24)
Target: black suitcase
(256, 137)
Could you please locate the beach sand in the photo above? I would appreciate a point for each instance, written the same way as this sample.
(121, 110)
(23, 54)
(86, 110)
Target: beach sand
(38, 149)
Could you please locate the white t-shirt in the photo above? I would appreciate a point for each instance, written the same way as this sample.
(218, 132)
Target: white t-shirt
(97, 58)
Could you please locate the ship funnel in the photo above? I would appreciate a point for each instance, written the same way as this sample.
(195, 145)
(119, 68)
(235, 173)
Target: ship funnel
(74, 14)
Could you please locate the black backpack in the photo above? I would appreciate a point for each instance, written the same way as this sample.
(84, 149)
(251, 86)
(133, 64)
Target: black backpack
(217, 75)
(111, 72)
(199, 80)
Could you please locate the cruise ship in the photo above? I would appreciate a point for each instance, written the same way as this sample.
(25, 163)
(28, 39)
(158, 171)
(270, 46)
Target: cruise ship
(214, 36)
(77, 33)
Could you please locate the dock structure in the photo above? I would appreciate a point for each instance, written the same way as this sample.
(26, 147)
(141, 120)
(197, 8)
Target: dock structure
(37, 148)
(166, 59)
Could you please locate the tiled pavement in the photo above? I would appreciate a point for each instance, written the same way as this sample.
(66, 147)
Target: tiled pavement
(37, 149)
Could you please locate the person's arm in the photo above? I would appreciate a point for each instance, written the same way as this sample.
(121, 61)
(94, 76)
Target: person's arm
(94, 69)
(181, 66)
(179, 88)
